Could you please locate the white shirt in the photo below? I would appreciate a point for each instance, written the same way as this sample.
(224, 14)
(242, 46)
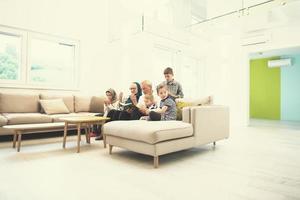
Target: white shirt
(110, 107)
(141, 102)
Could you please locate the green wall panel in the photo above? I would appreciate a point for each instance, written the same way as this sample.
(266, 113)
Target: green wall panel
(264, 90)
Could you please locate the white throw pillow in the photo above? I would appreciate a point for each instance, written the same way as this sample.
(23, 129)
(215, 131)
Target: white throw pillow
(54, 106)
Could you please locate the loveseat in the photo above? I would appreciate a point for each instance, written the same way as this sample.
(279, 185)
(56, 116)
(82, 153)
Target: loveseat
(26, 109)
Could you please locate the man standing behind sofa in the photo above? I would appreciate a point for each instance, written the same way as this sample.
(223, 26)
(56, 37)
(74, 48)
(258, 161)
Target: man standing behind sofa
(174, 87)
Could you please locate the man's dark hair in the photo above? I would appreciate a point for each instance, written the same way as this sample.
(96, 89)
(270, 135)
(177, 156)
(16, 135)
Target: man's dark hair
(168, 70)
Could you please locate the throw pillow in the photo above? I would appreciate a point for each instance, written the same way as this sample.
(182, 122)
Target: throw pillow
(54, 106)
(180, 105)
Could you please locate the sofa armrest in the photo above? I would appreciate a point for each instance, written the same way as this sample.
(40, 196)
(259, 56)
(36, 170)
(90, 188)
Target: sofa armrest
(210, 123)
(186, 114)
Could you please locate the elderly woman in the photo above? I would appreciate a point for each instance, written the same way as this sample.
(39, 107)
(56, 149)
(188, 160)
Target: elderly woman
(127, 107)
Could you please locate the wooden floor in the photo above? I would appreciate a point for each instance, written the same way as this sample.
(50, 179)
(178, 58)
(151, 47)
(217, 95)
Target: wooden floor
(255, 163)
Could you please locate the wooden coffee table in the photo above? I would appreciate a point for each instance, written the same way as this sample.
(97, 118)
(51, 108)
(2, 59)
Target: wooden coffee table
(82, 122)
(21, 129)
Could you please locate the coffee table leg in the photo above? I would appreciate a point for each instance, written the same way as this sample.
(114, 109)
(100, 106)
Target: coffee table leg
(103, 135)
(65, 134)
(19, 141)
(78, 137)
(15, 139)
(87, 135)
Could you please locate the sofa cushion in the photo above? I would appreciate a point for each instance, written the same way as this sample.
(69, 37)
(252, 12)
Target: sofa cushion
(54, 106)
(82, 103)
(19, 103)
(68, 100)
(56, 118)
(148, 131)
(27, 118)
(97, 104)
(3, 120)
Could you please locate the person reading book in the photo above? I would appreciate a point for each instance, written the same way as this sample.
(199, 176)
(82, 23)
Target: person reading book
(127, 107)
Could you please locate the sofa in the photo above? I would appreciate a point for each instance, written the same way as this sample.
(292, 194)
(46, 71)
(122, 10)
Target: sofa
(200, 125)
(26, 109)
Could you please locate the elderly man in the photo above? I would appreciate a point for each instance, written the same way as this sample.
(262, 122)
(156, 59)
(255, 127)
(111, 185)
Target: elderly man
(146, 86)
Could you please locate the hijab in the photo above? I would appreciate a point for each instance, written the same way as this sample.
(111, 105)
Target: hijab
(138, 94)
(113, 94)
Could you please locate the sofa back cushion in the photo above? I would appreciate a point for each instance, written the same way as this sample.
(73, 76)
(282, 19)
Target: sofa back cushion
(68, 100)
(93, 104)
(82, 103)
(97, 104)
(19, 103)
(54, 106)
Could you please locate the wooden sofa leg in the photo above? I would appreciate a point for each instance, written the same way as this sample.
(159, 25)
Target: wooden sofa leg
(19, 142)
(155, 161)
(15, 140)
(110, 149)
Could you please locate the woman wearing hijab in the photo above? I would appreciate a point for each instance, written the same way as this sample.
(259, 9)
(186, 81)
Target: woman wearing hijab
(128, 109)
(111, 102)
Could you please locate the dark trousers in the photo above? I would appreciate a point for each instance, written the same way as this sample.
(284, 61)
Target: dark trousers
(97, 128)
(154, 116)
(134, 114)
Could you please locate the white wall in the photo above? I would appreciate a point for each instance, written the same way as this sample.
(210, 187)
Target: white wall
(227, 65)
(82, 20)
(116, 64)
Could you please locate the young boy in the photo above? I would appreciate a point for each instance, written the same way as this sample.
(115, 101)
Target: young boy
(167, 110)
(150, 105)
(174, 87)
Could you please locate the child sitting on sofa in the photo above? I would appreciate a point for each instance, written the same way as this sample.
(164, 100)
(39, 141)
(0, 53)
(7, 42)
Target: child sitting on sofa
(110, 103)
(150, 105)
(167, 110)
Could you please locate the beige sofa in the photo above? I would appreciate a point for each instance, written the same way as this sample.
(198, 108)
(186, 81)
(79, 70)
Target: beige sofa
(200, 125)
(26, 109)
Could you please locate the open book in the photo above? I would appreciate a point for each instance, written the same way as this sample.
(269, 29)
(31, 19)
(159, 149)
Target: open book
(126, 106)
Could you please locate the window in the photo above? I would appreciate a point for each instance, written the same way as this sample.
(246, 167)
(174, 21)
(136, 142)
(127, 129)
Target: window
(35, 60)
(10, 56)
(51, 63)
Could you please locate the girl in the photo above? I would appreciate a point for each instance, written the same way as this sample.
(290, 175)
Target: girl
(110, 103)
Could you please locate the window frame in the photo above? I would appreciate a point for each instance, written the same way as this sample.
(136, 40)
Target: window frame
(23, 58)
(25, 61)
(53, 39)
